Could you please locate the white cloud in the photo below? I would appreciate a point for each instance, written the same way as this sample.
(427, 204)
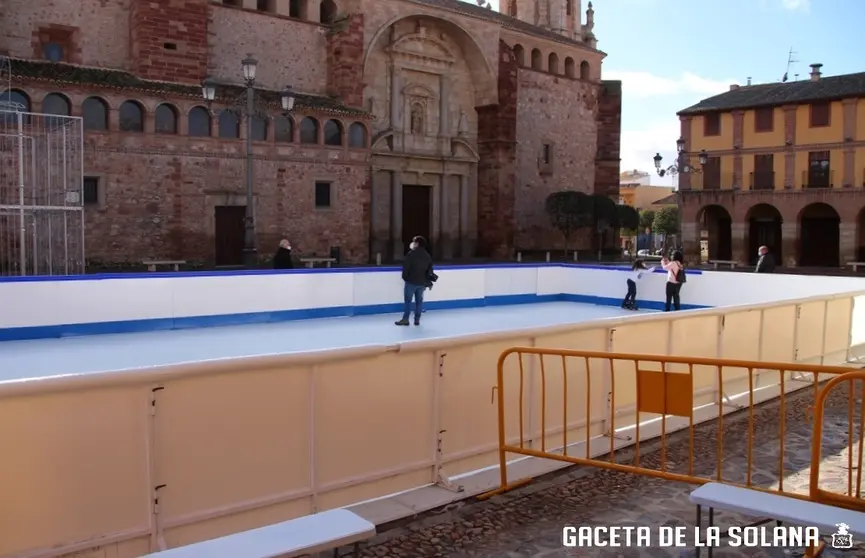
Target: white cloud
(640, 85)
(640, 145)
(797, 5)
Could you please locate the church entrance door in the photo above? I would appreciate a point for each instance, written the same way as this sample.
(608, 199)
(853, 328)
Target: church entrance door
(416, 214)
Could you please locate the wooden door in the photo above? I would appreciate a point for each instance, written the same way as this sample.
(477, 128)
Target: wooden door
(416, 214)
(229, 221)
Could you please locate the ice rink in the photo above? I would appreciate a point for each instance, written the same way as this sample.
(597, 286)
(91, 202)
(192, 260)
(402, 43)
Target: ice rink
(29, 360)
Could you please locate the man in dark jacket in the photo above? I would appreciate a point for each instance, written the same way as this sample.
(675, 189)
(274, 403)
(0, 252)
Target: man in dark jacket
(417, 268)
(282, 258)
(765, 261)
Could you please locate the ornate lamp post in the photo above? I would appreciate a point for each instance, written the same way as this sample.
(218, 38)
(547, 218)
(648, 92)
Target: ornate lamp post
(681, 165)
(244, 106)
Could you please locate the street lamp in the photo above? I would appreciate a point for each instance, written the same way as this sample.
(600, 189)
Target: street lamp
(681, 165)
(244, 105)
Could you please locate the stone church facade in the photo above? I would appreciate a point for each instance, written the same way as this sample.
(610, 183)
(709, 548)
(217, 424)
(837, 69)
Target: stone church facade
(434, 117)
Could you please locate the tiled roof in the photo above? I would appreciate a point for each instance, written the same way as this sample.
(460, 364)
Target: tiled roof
(774, 94)
(668, 200)
(102, 78)
(506, 21)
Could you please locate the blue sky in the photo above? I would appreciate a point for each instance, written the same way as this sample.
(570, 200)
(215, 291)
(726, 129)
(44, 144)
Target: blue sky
(669, 54)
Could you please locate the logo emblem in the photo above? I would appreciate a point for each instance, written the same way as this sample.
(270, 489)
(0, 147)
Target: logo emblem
(842, 538)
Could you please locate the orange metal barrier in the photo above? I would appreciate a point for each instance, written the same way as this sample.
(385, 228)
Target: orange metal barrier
(852, 499)
(648, 397)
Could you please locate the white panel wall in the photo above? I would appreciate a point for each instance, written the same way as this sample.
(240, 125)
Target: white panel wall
(32, 303)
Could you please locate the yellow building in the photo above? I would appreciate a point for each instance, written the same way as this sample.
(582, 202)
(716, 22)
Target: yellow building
(785, 168)
(642, 196)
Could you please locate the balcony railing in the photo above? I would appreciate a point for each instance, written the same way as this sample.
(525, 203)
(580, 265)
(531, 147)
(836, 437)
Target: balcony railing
(818, 178)
(708, 182)
(762, 180)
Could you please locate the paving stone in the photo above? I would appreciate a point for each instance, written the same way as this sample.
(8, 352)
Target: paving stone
(527, 522)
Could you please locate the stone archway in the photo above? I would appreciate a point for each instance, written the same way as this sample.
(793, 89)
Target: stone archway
(819, 236)
(764, 229)
(860, 236)
(715, 228)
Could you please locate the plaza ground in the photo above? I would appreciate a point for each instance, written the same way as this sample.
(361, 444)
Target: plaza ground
(527, 522)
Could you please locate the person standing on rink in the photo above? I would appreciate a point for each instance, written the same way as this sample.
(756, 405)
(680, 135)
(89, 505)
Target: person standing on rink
(675, 279)
(417, 271)
(637, 272)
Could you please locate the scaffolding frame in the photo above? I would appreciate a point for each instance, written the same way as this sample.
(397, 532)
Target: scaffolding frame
(41, 193)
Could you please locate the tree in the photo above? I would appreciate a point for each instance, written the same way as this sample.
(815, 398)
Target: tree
(605, 216)
(647, 219)
(666, 222)
(629, 221)
(569, 211)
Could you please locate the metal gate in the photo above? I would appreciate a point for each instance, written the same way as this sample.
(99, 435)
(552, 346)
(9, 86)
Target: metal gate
(41, 193)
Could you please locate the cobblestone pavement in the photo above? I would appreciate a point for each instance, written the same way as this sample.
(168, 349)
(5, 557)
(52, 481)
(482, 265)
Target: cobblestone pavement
(527, 522)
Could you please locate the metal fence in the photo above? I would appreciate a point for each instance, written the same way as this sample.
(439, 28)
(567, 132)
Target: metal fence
(41, 194)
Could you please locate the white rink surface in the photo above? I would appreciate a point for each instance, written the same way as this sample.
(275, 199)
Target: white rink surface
(93, 354)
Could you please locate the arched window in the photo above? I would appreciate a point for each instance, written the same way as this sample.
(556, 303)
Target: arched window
(57, 104)
(15, 100)
(537, 61)
(309, 130)
(131, 117)
(229, 125)
(357, 135)
(570, 67)
(553, 63)
(259, 129)
(333, 133)
(585, 71)
(283, 131)
(166, 119)
(95, 114)
(327, 11)
(520, 55)
(199, 123)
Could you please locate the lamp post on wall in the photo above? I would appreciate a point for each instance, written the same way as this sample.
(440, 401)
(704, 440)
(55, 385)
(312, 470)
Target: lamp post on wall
(245, 106)
(681, 166)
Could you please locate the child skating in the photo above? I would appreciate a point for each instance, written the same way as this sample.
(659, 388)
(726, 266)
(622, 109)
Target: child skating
(638, 269)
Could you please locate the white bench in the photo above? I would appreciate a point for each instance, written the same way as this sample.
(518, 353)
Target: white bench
(310, 262)
(856, 265)
(716, 263)
(305, 535)
(151, 264)
(755, 503)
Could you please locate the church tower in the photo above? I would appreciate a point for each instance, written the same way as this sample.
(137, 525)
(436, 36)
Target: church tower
(560, 16)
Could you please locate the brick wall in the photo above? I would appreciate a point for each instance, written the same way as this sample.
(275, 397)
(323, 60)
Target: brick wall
(169, 39)
(345, 61)
(497, 134)
(561, 113)
(103, 40)
(608, 159)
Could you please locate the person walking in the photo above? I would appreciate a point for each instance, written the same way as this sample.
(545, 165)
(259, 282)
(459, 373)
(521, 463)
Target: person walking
(282, 258)
(675, 269)
(637, 271)
(417, 271)
(765, 261)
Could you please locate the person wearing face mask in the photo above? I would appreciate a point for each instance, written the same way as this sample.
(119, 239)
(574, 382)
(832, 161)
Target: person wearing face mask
(417, 269)
(765, 261)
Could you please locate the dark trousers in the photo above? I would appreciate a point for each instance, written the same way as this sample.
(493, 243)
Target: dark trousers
(415, 292)
(631, 297)
(673, 290)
